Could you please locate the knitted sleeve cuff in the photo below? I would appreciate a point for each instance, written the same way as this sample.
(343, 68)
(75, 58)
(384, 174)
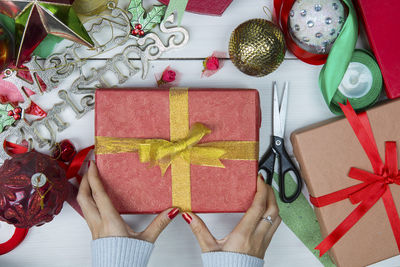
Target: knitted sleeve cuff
(231, 259)
(120, 252)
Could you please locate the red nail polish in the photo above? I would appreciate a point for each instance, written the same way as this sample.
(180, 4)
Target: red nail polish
(187, 217)
(88, 165)
(261, 177)
(172, 214)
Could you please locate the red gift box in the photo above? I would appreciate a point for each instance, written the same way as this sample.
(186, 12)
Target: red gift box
(382, 30)
(146, 114)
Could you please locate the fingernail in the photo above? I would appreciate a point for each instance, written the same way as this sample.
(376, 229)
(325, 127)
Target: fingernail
(261, 176)
(172, 214)
(88, 165)
(187, 217)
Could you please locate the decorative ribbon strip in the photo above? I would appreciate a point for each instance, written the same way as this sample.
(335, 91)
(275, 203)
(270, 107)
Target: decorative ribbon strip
(374, 186)
(339, 58)
(18, 236)
(177, 6)
(182, 150)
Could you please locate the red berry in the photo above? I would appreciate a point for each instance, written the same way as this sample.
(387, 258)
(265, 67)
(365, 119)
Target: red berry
(17, 110)
(141, 33)
(17, 117)
(10, 113)
(135, 31)
(138, 26)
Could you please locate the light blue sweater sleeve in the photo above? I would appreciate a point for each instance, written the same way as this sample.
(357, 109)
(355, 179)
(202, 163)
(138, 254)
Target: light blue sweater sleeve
(129, 252)
(120, 252)
(230, 259)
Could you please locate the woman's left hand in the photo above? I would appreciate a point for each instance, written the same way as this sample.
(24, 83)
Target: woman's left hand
(105, 221)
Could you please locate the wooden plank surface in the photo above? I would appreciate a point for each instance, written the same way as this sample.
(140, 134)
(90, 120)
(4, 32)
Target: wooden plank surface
(66, 240)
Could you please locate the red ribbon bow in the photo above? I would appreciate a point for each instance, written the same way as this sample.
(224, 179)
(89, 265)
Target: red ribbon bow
(374, 186)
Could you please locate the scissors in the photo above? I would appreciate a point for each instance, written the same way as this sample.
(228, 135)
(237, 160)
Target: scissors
(277, 150)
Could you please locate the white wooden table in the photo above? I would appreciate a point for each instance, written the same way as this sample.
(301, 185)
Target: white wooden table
(66, 240)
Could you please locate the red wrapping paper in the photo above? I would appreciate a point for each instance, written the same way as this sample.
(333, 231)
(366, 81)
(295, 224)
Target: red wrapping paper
(231, 114)
(380, 21)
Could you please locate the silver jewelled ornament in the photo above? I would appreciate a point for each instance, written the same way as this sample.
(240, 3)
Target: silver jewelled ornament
(316, 24)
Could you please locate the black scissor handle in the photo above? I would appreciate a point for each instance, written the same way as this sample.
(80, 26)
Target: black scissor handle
(267, 164)
(286, 165)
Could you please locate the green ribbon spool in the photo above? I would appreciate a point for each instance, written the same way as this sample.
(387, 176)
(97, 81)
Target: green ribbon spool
(341, 55)
(371, 93)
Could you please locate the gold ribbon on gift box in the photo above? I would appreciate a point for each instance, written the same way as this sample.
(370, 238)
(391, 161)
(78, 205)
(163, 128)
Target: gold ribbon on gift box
(182, 150)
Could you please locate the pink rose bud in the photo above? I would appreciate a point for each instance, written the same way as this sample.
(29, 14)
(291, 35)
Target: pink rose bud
(168, 76)
(212, 63)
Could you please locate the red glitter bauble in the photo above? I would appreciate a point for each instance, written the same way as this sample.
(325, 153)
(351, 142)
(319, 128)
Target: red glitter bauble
(33, 188)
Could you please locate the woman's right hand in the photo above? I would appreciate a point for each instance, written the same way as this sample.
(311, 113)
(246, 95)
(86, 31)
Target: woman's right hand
(253, 233)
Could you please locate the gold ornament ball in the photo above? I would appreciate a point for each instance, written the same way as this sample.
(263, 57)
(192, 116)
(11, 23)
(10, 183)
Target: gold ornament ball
(257, 47)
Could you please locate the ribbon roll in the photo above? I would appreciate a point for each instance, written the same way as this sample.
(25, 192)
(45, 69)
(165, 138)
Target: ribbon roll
(340, 57)
(361, 83)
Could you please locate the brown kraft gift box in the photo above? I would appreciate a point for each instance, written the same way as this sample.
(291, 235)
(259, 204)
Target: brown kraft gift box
(326, 152)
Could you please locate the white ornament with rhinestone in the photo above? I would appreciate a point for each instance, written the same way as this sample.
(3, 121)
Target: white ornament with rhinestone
(315, 24)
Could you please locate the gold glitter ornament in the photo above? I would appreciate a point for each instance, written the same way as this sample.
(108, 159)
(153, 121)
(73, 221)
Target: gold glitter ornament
(257, 47)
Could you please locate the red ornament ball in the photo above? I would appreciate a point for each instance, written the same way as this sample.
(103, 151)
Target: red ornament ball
(138, 26)
(141, 33)
(33, 188)
(17, 117)
(64, 151)
(10, 113)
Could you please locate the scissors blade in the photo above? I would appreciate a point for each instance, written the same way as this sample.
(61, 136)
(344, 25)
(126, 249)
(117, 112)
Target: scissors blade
(283, 109)
(276, 116)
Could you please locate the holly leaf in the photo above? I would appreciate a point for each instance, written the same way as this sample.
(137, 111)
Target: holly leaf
(154, 17)
(137, 11)
(5, 120)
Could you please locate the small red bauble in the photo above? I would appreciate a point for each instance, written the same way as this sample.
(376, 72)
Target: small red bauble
(64, 151)
(10, 113)
(33, 188)
(141, 32)
(17, 117)
(138, 26)
(17, 110)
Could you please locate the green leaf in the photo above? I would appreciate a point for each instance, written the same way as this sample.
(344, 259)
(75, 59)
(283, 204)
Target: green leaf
(137, 11)
(5, 120)
(153, 17)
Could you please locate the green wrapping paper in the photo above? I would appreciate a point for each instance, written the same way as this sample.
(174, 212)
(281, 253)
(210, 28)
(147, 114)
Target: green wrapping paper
(299, 216)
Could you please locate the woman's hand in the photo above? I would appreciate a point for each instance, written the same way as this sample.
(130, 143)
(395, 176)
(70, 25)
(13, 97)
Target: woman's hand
(253, 233)
(104, 220)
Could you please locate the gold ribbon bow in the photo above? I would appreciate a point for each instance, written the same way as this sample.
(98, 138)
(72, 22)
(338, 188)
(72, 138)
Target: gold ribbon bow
(182, 150)
(162, 152)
